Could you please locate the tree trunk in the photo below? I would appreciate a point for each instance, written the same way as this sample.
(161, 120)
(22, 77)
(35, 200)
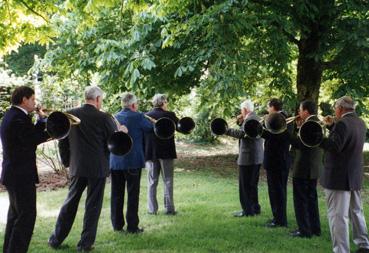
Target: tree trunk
(309, 69)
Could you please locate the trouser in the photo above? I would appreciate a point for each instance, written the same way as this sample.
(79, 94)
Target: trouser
(93, 205)
(305, 199)
(248, 188)
(277, 189)
(165, 166)
(119, 179)
(21, 217)
(343, 206)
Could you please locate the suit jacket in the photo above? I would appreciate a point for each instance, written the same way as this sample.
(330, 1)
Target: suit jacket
(307, 162)
(276, 150)
(85, 149)
(250, 150)
(343, 164)
(20, 137)
(156, 148)
(137, 125)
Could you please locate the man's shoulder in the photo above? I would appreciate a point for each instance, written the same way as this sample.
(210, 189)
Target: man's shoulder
(130, 114)
(14, 114)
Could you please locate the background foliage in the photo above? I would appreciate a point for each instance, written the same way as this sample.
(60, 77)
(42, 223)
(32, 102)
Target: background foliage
(215, 52)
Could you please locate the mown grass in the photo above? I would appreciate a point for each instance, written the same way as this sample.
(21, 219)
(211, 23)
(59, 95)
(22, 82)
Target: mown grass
(205, 198)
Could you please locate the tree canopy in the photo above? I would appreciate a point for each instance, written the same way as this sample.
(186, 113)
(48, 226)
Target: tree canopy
(296, 49)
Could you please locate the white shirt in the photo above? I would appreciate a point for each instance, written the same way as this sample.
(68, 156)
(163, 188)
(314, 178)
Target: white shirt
(22, 109)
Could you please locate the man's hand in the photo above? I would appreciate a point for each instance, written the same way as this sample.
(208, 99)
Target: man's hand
(328, 120)
(123, 129)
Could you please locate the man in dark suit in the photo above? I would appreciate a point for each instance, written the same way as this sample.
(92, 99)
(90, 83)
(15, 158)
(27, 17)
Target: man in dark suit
(342, 177)
(126, 170)
(20, 137)
(85, 152)
(307, 164)
(249, 160)
(159, 156)
(276, 164)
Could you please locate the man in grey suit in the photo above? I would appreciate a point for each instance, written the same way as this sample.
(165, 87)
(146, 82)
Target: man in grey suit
(249, 160)
(343, 175)
(86, 154)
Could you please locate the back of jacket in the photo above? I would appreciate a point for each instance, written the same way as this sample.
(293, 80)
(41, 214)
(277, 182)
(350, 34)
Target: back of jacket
(137, 125)
(307, 162)
(20, 137)
(276, 150)
(343, 165)
(86, 149)
(156, 148)
(250, 150)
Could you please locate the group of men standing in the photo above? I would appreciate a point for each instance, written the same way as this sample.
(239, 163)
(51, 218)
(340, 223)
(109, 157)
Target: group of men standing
(86, 153)
(341, 172)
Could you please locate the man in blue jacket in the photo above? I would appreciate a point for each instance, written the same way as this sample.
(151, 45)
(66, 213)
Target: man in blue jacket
(127, 169)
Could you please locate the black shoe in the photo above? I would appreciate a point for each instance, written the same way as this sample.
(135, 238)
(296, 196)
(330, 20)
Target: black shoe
(53, 244)
(271, 224)
(362, 250)
(170, 213)
(152, 213)
(297, 233)
(85, 249)
(316, 233)
(239, 214)
(242, 214)
(135, 231)
(274, 224)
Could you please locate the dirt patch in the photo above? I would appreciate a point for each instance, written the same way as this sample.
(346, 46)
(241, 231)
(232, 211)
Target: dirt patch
(49, 181)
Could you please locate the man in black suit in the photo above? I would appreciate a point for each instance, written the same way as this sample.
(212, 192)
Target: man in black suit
(159, 156)
(342, 176)
(86, 154)
(277, 163)
(307, 163)
(20, 137)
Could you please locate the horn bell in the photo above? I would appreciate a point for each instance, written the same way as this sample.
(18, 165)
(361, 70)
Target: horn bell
(119, 143)
(185, 125)
(253, 128)
(164, 128)
(275, 123)
(218, 126)
(311, 133)
(58, 124)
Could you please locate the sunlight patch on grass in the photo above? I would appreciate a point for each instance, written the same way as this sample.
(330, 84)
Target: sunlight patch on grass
(45, 211)
(4, 204)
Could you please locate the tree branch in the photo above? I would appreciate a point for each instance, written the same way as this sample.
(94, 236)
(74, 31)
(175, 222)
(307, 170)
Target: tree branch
(10, 15)
(330, 64)
(289, 36)
(33, 11)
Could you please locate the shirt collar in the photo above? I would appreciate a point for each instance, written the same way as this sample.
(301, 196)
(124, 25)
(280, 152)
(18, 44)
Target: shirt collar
(343, 115)
(312, 115)
(22, 109)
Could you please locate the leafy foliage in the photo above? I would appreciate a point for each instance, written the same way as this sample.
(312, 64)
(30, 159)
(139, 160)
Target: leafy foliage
(227, 50)
(25, 21)
(22, 61)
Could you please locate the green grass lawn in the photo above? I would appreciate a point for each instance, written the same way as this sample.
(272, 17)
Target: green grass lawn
(205, 197)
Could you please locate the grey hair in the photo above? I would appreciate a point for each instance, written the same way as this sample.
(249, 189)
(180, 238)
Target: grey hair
(158, 100)
(248, 105)
(92, 92)
(128, 99)
(346, 102)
